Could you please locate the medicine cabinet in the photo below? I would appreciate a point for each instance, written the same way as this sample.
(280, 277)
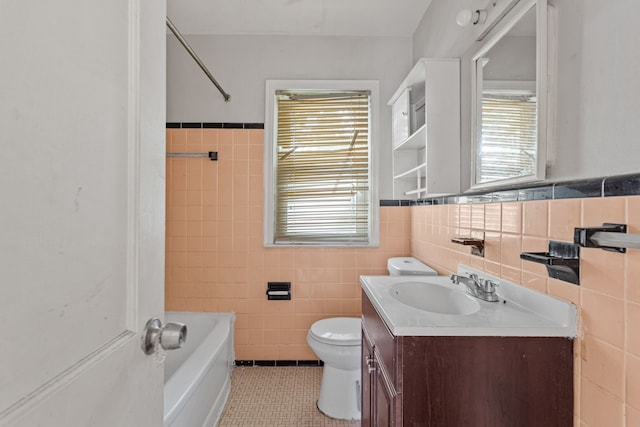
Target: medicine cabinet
(510, 99)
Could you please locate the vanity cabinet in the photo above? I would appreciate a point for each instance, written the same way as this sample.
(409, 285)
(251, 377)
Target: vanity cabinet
(379, 394)
(426, 130)
(480, 381)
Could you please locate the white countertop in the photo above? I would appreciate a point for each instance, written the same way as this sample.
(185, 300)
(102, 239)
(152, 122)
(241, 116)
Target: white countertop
(520, 312)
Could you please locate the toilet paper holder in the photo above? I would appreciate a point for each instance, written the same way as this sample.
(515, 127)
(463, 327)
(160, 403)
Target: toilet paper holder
(279, 290)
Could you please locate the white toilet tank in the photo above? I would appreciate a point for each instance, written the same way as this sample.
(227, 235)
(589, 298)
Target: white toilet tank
(409, 266)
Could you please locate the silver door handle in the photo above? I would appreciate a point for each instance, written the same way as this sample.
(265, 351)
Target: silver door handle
(170, 335)
(371, 364)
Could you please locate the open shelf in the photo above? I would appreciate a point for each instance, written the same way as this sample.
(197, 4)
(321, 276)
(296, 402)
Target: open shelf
(415, 140)
(416, 191)
(428, 100)
(411, 173)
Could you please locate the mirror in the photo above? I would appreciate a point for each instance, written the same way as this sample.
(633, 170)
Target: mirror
(509, 100)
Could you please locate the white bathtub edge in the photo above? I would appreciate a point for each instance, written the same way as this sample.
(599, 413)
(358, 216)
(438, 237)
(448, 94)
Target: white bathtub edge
(188, 377)
(218, 406)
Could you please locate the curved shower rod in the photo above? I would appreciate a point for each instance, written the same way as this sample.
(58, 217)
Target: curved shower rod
(195, 57)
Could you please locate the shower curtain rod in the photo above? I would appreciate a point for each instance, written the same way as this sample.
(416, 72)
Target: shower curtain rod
(195, 57)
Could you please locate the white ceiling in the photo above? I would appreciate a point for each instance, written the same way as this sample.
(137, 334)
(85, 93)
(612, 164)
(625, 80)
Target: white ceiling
(298, 17)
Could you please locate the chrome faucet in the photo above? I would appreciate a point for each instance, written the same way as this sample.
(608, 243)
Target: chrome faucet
(483, 289)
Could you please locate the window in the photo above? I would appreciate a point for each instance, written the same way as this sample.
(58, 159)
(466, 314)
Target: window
(508, 142)
(319, 185)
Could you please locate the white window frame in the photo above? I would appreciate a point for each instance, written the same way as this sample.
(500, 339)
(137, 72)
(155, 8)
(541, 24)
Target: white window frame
(270, 159)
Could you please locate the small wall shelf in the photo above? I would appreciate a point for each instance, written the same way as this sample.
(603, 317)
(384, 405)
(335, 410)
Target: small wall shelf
(562, 261)
(411, 173)
(416, 191)
(426, 130)
(477, 245)
(413, 141)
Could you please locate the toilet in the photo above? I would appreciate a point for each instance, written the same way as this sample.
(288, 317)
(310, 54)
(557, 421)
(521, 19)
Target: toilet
(408, 266)
(337, 342)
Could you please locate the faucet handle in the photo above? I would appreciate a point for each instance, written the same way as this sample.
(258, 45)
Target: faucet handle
(488, 285)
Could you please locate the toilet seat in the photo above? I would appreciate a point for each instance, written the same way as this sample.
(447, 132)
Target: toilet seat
(337, 331)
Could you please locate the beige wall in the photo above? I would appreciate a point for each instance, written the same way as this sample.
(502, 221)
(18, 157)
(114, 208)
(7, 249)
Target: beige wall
(215, 260)
(607, 355)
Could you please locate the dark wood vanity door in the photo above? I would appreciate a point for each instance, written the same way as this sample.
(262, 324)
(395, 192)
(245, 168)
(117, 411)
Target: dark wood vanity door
(465, 381)
(384, 342)
(488, 381)
(385, 398)
(367, 396)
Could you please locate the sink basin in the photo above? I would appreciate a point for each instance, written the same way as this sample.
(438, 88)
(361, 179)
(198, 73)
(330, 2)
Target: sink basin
(433, 298)
(432, 306)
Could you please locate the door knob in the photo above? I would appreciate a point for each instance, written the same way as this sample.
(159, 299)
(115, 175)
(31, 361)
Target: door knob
(170, 335)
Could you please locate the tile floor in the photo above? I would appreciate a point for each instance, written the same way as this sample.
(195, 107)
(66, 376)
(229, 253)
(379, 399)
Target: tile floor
(276, 397)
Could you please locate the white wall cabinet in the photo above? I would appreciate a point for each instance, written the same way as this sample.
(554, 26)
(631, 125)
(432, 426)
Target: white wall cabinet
(426, 130)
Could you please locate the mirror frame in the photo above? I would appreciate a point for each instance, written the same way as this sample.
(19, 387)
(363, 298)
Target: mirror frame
(542, 76)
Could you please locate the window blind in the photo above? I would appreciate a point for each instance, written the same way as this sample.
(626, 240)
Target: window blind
(322, 167)
(509, 135)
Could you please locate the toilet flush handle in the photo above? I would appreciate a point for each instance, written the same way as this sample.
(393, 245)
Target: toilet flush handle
(170, 336)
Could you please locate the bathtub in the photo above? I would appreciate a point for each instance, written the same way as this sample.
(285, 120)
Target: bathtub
(197, 378)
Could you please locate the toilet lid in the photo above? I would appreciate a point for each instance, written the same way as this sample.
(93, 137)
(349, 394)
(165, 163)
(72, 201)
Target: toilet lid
(337, 330)
(409, 266)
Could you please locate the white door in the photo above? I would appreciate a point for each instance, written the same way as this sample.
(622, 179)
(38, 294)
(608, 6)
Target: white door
(82, 111)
